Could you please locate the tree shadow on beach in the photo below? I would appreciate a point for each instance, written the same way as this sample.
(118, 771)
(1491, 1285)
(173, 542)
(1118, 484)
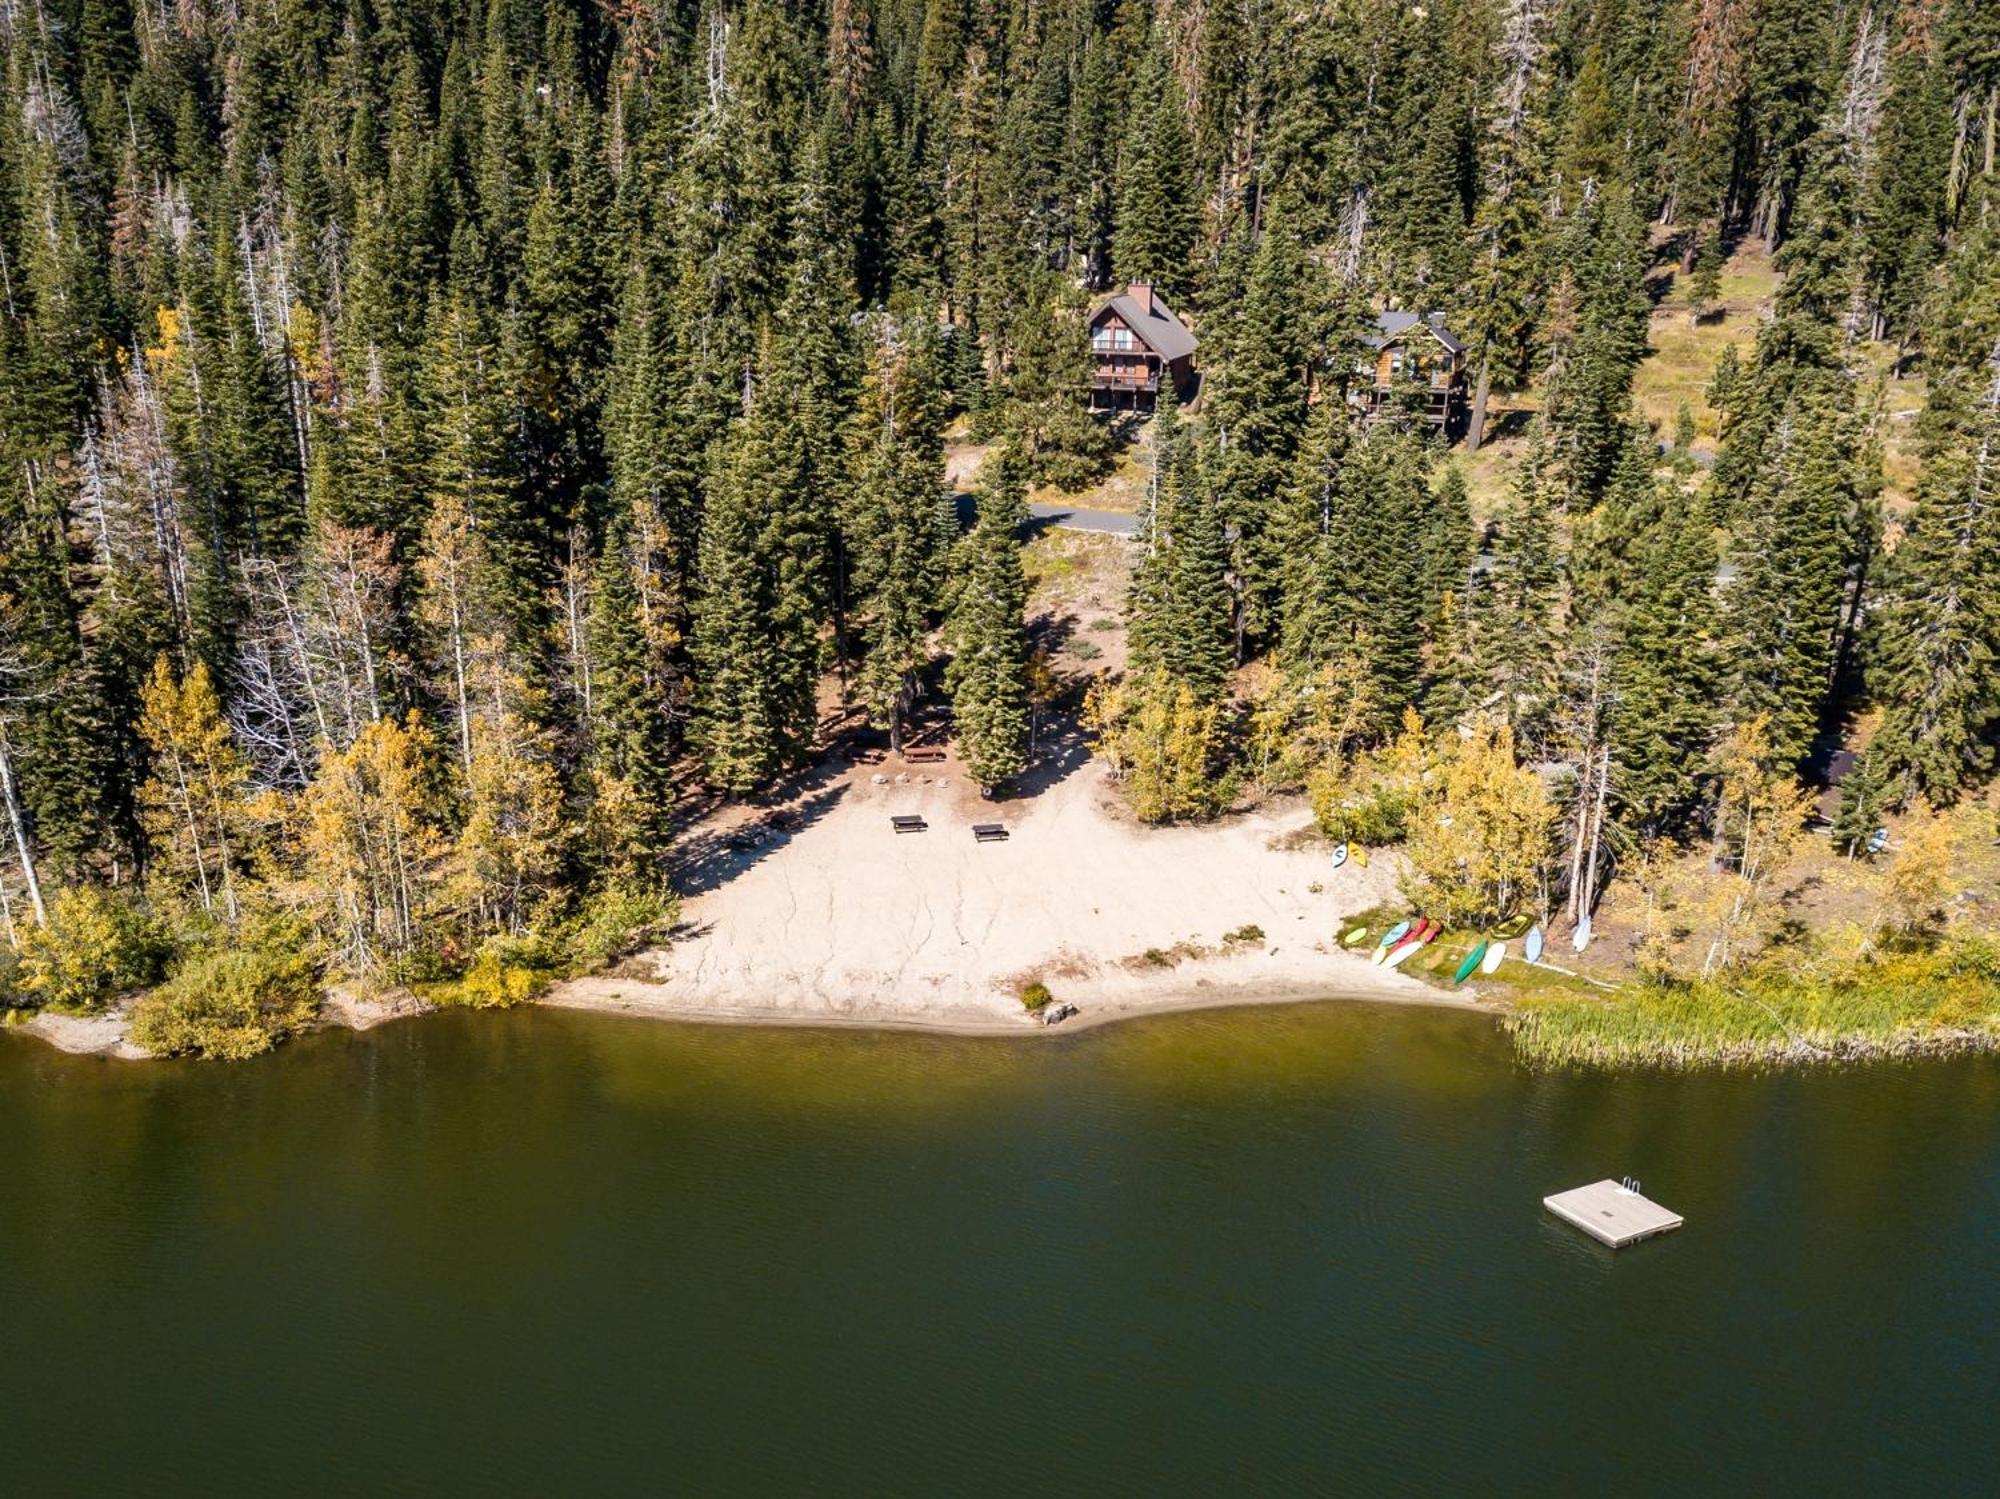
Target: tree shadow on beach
(711, 857)
(1060, 751)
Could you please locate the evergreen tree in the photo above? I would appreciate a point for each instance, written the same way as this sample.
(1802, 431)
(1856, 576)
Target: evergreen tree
(1258, 417)
(988, 673)
(1940, 671)
(1663, 713)
(756, 616)
(1519, 603)
(1785, 603)
(901, 522)
(1157, 215)
(1179, 609)
(630, 746)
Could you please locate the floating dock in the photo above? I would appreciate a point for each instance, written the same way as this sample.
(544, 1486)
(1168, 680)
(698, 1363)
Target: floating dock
(1612, 1213)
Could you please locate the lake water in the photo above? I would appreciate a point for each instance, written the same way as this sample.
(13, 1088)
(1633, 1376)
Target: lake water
(1284, 1251)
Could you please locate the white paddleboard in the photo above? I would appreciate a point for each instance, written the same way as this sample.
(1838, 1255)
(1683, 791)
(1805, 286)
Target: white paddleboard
(1402, 952)
(1495, 956)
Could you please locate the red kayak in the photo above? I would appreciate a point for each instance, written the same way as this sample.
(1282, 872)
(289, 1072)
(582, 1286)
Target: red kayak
(1421, 933)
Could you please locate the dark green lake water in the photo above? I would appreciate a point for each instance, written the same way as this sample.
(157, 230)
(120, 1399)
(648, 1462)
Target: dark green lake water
(1287, 1251)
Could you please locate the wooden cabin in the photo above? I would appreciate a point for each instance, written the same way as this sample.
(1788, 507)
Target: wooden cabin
(1135, 339)
(1413, 353)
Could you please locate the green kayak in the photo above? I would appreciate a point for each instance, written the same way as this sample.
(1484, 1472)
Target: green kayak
(1471, 962)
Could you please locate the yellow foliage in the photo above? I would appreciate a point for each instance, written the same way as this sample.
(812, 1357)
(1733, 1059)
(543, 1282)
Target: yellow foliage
(1918, 885)
(190, 806)
(369, 842)
(94, 946)
(1760, 820)
(1479, 825)
(1167, 746)
(509, 849)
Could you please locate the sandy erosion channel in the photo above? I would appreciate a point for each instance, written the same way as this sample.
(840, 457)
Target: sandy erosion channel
(821, 912)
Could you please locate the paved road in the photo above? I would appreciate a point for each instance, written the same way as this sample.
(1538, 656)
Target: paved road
(1110, 522)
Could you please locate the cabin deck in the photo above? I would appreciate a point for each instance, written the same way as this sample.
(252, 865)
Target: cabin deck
(1612, 1214)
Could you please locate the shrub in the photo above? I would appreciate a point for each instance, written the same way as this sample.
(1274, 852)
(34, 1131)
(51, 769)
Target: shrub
(1035, 995)
(1371, 815)
(616, 922)
(1244, 935)
(95, 945)
(505, 971)
(229, 1004)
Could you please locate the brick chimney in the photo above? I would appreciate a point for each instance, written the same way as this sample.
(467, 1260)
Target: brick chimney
(1142, 293)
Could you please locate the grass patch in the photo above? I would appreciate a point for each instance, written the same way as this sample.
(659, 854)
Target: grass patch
(1166, 957)
(1682, 353)
(1945, 999)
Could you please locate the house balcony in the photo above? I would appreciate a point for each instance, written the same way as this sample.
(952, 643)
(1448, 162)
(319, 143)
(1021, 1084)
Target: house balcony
(1125, 380)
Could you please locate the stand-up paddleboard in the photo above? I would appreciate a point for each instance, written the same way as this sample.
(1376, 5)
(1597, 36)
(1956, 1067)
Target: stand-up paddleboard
(1581, 939)
(1495, 956)
(1402, 950)
(1339, 855)
(1472, 961)
(1534, 945)
(1353, 935)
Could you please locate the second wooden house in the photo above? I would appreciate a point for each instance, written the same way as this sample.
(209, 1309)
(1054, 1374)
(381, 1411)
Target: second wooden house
(1418, 356)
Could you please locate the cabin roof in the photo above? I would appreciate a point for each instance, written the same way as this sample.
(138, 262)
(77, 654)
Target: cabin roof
(1159, 330)
(1394, 325)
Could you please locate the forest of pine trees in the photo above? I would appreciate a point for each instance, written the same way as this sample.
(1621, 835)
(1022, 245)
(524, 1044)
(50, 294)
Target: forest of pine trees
(438, 439)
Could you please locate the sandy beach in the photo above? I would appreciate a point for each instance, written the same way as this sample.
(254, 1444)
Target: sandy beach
(814, 911)
(818, 912)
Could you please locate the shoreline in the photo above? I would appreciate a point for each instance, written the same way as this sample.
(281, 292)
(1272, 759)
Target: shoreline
(1165, 996)
(104, 1035)
(1228, 980)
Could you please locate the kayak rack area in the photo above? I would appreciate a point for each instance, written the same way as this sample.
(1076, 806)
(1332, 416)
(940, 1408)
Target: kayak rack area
(1612, 1212)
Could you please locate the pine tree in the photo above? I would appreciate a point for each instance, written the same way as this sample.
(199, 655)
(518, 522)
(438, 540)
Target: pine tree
(1517, 633)
(1940, 672)
(1258, 417)
(988, 673)
(901, 524)
(1157, 217)
(1663, 677)
(1792, 562)
(1048, 368)
(1179, 609)
(756, 616)
(1507, 228)
(630, 746)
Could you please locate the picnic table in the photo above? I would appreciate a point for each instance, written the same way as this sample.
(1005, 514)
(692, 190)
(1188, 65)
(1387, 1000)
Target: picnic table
(989, 832)
(908, 824)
